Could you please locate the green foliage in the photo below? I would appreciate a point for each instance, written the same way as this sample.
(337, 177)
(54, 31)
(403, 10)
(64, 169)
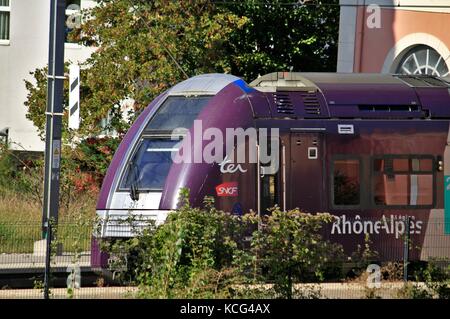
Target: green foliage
(414, 291)
(21, 194)
(37, 99)
(290, 248)
(283, 36)
(145, 47)
(436, 279)
(81, 171)
(346, 191)
(190, 255)
(204, 253)
(371, 293)
(20, 175)
(393, 271)
(363, 256)
(95, 154)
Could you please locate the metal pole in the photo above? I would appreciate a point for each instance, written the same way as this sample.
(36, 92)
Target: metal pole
(48, 245)
(284, 176)
(258, 186)
(406, 250)
(55, 85)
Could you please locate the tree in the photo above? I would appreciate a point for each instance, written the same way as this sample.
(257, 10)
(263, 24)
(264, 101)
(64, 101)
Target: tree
(145, 47)
(284, 36)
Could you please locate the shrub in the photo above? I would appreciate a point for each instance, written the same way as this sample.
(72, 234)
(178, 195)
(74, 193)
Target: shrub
(20, 174)
(363, 257)
(290, 249)
(392, 271)
(205, 253)
(436, 282)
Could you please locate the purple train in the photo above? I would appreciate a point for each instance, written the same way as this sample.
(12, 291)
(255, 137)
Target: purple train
(371, 149)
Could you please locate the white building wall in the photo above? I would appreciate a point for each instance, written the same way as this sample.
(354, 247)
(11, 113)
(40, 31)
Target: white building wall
(27, 50)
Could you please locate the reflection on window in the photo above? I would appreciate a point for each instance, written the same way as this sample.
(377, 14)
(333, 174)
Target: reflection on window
(177, 112)
(150, 165)
(403, 165)
(403, 181)
(269, 195)
(346, 182)
(4, 19)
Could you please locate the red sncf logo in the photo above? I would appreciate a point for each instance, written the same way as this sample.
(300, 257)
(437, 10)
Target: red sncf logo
(229, 189)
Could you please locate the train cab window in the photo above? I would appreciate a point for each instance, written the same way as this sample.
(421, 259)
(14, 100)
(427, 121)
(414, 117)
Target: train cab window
(177, 112)
(346, 182)
(400, 181)
(150, 164)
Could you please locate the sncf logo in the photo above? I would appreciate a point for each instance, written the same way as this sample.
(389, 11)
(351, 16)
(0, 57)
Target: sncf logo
(229, 189)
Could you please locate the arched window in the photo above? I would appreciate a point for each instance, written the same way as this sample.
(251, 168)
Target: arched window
(423, 59)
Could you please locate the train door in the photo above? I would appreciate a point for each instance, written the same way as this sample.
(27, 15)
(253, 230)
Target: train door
(305, 171)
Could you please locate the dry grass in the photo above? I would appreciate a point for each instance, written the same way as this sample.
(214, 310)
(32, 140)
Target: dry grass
(14, 208)
(21, 218)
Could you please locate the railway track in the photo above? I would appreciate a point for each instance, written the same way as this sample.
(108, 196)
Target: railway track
(30, 280)
(19, 271)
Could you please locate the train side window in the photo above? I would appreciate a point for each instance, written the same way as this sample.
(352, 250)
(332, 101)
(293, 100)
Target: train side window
(346, 182)
(403, 181)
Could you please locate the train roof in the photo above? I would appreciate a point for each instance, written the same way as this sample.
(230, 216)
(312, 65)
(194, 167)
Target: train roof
(355, 95)
(316, 79)
(204, 84)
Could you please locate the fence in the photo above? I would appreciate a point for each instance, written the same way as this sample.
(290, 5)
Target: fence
(399, 250)
(23, 257)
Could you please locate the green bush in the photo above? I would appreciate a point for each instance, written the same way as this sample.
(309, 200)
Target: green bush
(290, 249)
(436, 279)
(19, 174)
(190, 255)
(207, 253)
(362, 257)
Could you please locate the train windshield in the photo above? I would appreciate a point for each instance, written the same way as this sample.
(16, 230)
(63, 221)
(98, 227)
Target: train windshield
(177, 112)
(150, 164)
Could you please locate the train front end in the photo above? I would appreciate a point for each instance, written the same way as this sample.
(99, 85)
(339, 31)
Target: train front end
(143, 181)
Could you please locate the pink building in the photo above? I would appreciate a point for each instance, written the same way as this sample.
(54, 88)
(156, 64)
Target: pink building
(395, 36)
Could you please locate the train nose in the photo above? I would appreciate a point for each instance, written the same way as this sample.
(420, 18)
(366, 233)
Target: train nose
(127, 223)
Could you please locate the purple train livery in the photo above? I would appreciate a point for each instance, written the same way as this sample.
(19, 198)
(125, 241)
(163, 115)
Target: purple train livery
(371, 149)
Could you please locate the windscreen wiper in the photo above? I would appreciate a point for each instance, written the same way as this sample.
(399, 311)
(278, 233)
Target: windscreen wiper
(134, 187)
